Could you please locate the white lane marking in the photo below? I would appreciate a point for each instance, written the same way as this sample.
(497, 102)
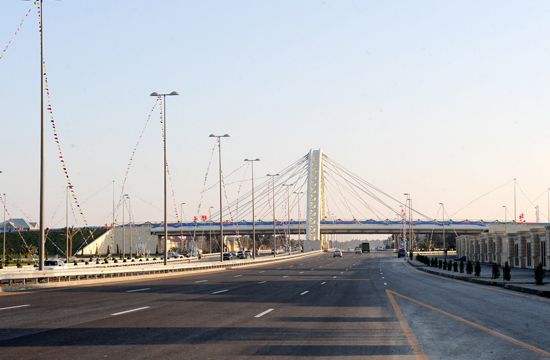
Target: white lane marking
(305, 292)
(263, 313)
(382, 277)
(138, 290)
(200, 281)
(341, 273)
(291, 266)
(14, 307)
(285, 276)
(301, 263)
(129, 311)
(261, 282)
(334, 277)
(301, 272)
(237, 275)
(217, 292)
(385, 284)
(262, 271)
(346, 269)
(323, 283)
(311, 269)
(279, 269)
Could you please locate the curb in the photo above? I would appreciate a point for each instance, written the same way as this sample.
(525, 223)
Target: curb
(489, 282)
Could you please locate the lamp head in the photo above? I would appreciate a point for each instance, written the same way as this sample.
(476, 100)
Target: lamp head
(174, 93)
(155, 94)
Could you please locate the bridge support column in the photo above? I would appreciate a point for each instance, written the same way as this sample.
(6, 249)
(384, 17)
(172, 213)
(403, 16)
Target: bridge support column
(316, 205)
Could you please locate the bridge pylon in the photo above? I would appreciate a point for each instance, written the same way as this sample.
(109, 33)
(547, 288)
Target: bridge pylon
(316, 198)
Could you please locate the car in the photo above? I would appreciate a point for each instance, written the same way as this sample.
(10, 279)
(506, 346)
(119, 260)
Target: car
(358, 250)
(401, 253)
(244, 255)
(273, 252)
(337, 252)
(227, 256)
(248, 253)
(172, 255)
(54, 264)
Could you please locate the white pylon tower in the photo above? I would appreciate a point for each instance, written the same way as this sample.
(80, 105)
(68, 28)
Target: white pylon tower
(316, 198)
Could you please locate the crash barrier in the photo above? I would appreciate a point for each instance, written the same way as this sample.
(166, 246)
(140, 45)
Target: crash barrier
(10, 280)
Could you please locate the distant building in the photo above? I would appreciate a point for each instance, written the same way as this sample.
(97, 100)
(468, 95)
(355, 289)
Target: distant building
(19, 224)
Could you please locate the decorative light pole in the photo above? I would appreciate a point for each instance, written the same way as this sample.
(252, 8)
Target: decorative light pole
(210, 227)
(123, 227)
(165, 171)
(181, 225)
(410, 221)
(505, 220)
(515, 221)
(298, 196)
(274, 231)
(444, 247)
(253, 216)
(67, 221)
(221, 204)
(288, 212)
(130, 223)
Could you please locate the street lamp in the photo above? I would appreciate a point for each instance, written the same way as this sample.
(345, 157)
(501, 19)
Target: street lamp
(181, 225)
(123, 227)
(130, 223)
(210, 228)
(221, 204)
(444, 247)
(298, 195)
(410, 221)
(274, 232)
(288, 211)
(515, 201)
(165, 171)
(67, 221)
(505, 220)
(253, 217)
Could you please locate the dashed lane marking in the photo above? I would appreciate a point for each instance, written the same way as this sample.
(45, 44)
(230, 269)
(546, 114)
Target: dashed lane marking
(263, 313)
(129, 311)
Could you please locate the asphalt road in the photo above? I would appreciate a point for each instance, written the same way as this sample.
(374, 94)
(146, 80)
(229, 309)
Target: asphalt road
(359, 306)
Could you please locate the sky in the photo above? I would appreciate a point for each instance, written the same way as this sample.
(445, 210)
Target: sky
(446, 101)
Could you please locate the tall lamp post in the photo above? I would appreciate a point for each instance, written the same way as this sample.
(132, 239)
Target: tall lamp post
(210, 228)
(130, 223)
(274, 231)
(410, 221)
(253, 216)
(298, 195)
(515, 201)
(156, 94)
(123, 227)
(444, 247)
(505, 220)
(221, 204)
(67, 221)
(181, 225)
(288, 211)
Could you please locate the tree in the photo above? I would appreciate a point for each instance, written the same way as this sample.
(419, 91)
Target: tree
(477, 269)
(469, 268)
(424, 245)
(506, 276)
(496, 272)
(540, 273)
(71, 233)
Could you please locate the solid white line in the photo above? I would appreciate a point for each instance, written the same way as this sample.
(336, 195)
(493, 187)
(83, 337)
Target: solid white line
(305, 292)
(265, 312)
(13, 307)
(200, 281)
(217, 292)
(128, 311)
(138, 290)
(237, 275)
(261, 282)
(323, 283)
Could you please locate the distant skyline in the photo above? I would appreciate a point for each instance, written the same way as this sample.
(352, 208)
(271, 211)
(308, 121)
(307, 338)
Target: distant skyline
(444, 101)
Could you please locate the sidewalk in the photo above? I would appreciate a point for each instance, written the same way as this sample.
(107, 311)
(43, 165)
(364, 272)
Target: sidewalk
(521, 279)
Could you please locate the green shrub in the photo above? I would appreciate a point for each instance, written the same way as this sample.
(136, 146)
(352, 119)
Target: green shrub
(445, 264)
(85, 263)
(461, 266)
(469, 268)
(450, 265)
(477, 269)
(440, 264)
(506, 272)
(455, 267)
(540, 273)
(496, 272)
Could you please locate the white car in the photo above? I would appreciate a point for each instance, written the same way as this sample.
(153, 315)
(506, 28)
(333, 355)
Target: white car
(54, 264)
(337, 252)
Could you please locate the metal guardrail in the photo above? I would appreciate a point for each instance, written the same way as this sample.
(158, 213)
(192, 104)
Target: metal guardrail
(109, 271)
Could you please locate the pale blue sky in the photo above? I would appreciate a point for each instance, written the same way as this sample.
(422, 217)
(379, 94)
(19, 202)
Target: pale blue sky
(444, 100)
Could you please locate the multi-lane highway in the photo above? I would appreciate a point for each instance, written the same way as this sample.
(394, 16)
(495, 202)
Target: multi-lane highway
(359, 306)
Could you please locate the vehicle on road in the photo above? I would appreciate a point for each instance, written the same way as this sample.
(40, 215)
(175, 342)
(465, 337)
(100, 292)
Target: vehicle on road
(365, 247)
(248, 253)
(337, 252)
(273, 252)
(54, 264)
(172, 255)
(401, 253)
(227, 256)
(358, 250)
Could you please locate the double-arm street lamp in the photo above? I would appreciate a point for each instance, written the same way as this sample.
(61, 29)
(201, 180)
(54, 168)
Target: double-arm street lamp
(298, 195)
(444, 247)
(410, 222)
(274, 231)
(156, 94)
(253, 217)
(221, 204)
(288, 210)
